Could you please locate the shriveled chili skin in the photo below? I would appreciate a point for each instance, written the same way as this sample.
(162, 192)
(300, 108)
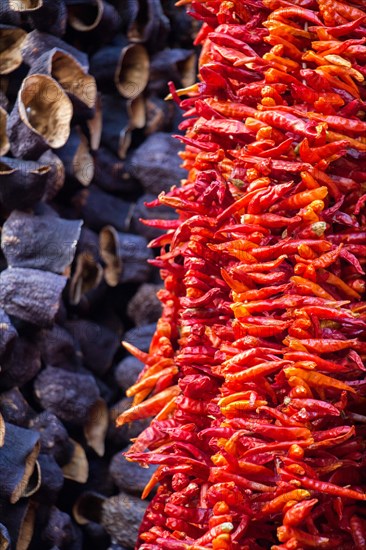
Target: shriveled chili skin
(255, 374)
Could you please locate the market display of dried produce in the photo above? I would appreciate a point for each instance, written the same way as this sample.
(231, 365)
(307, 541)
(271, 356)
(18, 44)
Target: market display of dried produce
(255, 375)
(82, 123)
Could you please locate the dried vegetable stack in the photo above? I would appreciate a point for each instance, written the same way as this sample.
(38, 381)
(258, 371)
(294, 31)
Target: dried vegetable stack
(84, 143)
(255, 374)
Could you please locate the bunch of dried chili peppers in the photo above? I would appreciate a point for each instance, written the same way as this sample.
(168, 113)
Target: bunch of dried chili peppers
(255, 375)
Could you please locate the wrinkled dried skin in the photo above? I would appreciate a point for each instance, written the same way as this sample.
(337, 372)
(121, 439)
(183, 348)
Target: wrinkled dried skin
(121, 517)
(125, 256)
(41, 117)
(149, 23)
(22, 364)
(140, 336)
(159, 115)
(68, 394)
(177, 64)
(22, 183)
(110, 173)
(56, 176)
(11, 40)
(38, 43)
(52, 479)
(156, 164)
(19, 520)
(261, 212)
(103, 65)
(141, 211)
(145, 307)
(31, 294)
(57, 347)
(98, 344)
(129, 476)
(99, 209)
(53, 437)
(60, 531)
(17, 460)
(34, 482)
(127, 372)
(51, 17)
(116, 130)
(39, 242)
(15, 408)
(7, 333)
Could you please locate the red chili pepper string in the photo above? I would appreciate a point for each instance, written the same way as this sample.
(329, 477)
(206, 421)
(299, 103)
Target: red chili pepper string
(254, 372)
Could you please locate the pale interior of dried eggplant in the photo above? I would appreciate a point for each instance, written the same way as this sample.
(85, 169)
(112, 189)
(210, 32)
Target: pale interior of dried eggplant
(83, 162)
(4, 142)
(47, 108)
(10, 52)
(25, 5)
(132, 72)
(109, 253)
(70, 75)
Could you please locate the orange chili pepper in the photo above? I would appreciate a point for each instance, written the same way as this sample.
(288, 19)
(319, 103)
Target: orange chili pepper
(150, 407)
(303, 198)
(311, 287)
(277, 504)
(263, 369)
(317, 379)
(278, 28)
(289, 48)
(353, 142)
(296, 382)
(332, 279)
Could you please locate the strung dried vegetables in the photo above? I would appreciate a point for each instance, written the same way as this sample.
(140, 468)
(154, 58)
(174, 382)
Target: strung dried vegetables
(255, 375)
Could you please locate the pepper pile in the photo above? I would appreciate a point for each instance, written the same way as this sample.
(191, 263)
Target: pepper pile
(256, 371)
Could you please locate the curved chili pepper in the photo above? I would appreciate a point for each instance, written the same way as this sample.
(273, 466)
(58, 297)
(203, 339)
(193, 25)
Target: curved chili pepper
(329, 488)
(279, 502)
(317, 154)
(317, 379)
(148, 408)
(299, 511)
(340, 30)
(296, 12)
(253, 372)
